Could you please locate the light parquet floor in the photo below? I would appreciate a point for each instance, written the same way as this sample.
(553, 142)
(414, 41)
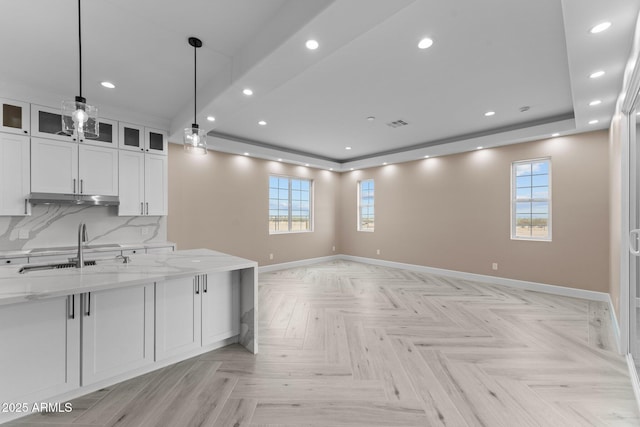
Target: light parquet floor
(347, 344)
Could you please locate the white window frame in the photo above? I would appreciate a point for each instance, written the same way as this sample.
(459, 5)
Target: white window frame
(290, 209)
(360, 206)
(514, 201)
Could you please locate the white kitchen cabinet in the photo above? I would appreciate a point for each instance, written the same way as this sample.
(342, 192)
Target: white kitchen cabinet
(142, 139)
(220, 306)
(40, 354)
(142, 184)
(178, 326)
(46, 122)
(58, 167)
(97, 170)
(54, 166)
(14, 116)
(117, 332)
(195, 312)
(15, 177)
(107, 134)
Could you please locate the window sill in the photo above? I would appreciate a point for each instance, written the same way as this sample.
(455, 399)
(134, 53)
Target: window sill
(531, 239)
(272, 233)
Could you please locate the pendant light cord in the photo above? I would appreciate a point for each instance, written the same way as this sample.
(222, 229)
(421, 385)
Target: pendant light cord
(80, 45)
(195, 80)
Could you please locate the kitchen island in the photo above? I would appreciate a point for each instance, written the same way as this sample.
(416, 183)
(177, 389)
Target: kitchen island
(67, 332)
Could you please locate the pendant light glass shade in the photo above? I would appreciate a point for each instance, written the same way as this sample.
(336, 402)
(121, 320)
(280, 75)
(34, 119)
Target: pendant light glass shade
(78, 117)
(195, 139)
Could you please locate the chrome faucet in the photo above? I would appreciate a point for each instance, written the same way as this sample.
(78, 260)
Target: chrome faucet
(82, 238)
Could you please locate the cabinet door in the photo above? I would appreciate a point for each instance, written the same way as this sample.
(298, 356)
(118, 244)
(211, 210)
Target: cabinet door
(47, 123)
(220, 306)
(178, 329)
(131, 183)
(98, 170)
(117, 332)
(14, 117)
(54, 166)
(155, 184)
(40, 354)
(130, 137)
(15, 179)
(155, 141)
(107, 134)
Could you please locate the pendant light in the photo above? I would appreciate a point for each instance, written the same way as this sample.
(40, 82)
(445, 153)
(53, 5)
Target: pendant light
(78, 117)
(195, 139)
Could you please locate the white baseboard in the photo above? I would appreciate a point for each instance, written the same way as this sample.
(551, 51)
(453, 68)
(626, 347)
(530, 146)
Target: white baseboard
(294, 264)
(616, 326)
(514, 283)
(635, 381)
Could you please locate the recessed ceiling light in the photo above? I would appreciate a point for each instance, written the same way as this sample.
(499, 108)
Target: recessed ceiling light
(245, 153)
(603, 26)
(247, 91)
(426, 157)
(638, 113)
(425, 43)
(347, 148)
(595, 102)
(490, 113)
(479, 148)
(279, 160)
(312, 44)
(596, 74)
(211, 118)
(306, 164)
(371, 118)
(330, 169)
(555, 134)
(108, 85)
(351, 169)
(262, 123)
(384, 164)
(593, 122)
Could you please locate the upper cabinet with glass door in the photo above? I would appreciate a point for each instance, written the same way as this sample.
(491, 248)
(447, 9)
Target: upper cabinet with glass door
(107, 134)
(46, 122)
(138, 138)
(14, 117)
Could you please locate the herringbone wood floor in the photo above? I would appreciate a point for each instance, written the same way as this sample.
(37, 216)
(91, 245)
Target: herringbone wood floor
(347, 344)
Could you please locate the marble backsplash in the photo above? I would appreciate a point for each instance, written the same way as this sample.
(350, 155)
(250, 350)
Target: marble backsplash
(57, 225)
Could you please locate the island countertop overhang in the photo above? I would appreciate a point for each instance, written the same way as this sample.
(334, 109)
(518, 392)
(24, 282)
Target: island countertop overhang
(144, 268)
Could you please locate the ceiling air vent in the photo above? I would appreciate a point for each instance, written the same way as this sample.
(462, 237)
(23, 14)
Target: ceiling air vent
(397, 123)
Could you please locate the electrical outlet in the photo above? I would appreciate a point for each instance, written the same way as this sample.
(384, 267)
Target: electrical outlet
(23, 234)
(333, 248)
(377, 251)
(270, 256)
(494, 266)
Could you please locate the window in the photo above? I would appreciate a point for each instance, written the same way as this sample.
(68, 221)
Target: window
(289, 204)
(365, 205)
(531, 199)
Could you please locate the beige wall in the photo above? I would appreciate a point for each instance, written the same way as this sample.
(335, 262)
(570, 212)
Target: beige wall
(220, 202)
(615, 212)
(453, 212)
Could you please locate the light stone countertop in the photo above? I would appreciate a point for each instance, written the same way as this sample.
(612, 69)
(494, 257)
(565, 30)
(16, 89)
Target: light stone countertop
(112, 274)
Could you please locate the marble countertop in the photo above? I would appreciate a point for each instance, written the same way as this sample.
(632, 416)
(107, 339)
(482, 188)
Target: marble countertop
(112, 273)
(71, 252)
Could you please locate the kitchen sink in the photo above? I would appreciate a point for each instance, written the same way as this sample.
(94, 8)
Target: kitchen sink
(71, 264)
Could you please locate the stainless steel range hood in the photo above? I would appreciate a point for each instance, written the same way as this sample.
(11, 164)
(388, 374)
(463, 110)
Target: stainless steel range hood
(73, 199)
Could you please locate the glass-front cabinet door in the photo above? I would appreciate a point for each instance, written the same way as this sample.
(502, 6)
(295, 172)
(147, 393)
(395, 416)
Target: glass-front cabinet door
(47, 123)
(107, 134)
(130, 137)
(14, 117)
(155, 141)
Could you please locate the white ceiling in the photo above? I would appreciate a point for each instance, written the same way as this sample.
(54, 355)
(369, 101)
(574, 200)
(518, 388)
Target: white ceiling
(497, 55)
